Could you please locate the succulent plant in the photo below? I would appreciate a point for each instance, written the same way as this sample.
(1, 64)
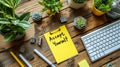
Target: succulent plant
(52, 6)
(37, 17)
(103, 5)
(79, 22)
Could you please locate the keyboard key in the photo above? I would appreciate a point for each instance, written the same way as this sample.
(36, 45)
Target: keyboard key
(112, 49)
(98, 55)
(95, 57)
(92, 58)
(94, 49)
(92, 54)
(90, 51)
(101, 54)
(90, 47)
(103, 49)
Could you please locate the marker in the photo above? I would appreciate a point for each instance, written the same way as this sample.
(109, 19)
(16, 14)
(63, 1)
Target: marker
(25, 61)
(44, 58)
(16, 58)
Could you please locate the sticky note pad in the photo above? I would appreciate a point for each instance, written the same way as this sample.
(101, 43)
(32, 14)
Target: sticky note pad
(83, 63)
(61, 44)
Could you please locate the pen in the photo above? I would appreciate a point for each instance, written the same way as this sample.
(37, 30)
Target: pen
(16, 58)
(44, 58)
(25, 61)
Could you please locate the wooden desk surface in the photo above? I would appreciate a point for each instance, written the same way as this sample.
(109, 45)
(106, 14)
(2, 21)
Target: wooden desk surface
(50, 23)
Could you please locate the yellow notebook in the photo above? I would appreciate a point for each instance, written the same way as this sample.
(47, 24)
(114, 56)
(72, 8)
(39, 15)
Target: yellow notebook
(61, 44)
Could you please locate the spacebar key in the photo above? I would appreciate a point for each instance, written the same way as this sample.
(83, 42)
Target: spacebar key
(112, 49)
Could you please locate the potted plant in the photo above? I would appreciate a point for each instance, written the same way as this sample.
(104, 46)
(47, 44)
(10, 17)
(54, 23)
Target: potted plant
(100, 7)
(12, 25)
(37, 17)
(79, 22)
(115, 11)
(76, 4)
(51, 6)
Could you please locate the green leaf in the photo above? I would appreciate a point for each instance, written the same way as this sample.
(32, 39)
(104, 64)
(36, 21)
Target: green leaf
(10, 3)
(17, 2)
(15, 22)
(2, 26)
(3, 19)
(9, 37)
(6, 3)
(25, 16)
(17, 16)
(24, 24)
(20, 30)
(4, 22)
(9, 16)
(1, 12)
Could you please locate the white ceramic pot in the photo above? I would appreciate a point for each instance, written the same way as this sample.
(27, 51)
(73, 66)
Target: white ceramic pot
(74, 5)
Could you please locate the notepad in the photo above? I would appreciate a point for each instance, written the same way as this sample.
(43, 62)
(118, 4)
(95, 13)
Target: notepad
(83, 63)
(61, 44)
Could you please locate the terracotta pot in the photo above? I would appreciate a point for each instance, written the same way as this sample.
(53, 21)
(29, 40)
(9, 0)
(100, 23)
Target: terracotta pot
(96, 11)
(74, 5)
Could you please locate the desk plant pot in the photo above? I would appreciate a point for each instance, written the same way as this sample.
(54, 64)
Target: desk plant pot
(12, 25)
(76, 4)
(115, 11)
(100, 7)
(79, 22)
(51, 6)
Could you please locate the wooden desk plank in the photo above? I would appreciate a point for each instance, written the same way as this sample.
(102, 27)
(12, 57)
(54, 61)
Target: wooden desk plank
(115, 63)
(33, 5)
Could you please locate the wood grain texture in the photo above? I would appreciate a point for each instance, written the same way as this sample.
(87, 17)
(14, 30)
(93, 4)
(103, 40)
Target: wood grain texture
(51, 23)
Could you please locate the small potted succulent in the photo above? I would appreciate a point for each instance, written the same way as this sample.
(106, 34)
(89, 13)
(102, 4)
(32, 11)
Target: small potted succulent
(115, 11)
(100, 7)
(79, 22)
(37, 17)
(51, 6)
(76, 4)
(12, 25)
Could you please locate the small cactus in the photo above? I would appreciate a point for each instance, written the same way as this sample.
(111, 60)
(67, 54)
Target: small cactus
(37, 17)
(80, 22)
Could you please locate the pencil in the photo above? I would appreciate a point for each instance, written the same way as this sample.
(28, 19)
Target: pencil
(16, 58)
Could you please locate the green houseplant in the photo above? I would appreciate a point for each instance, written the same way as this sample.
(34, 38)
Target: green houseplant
(115, 11)
(76, 4)
(79, 22)
(12, 25)
(101, 6)
(51, 6)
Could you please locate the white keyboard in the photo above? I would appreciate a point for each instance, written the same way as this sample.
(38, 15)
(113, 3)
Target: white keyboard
(103, 41)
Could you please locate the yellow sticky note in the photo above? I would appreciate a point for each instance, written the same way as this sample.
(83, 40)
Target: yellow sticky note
(61, 44)
(83, 63)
